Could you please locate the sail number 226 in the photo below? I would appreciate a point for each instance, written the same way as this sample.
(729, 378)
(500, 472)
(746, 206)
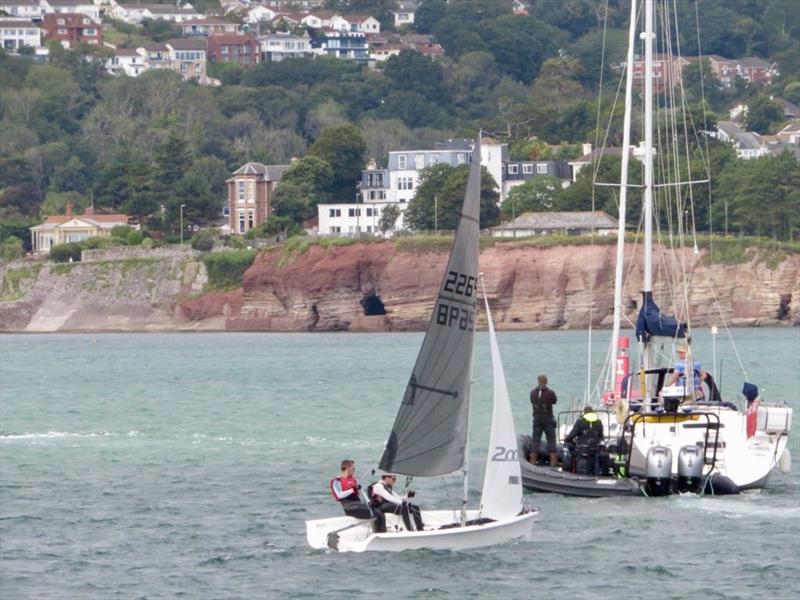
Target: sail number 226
(458, 283)
(451, 315)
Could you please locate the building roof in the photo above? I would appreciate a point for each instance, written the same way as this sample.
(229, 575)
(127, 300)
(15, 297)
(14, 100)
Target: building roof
(17, 23)
(268, 172)
(19, 3)
(70, 20)
(89, 216)
(232, 38)
(186, 44)
(155, 47)
(126, 52)
(70, 2)
(598, 219)
(207, 21)
(753, 61)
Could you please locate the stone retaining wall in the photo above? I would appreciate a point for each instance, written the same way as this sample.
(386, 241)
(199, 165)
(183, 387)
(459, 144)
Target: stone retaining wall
(123, 252)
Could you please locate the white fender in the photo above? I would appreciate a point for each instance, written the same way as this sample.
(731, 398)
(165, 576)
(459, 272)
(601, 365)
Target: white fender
(785, 461)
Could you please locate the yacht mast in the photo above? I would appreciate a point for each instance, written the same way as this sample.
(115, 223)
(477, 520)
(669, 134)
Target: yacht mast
(647, 288)
(623, 195)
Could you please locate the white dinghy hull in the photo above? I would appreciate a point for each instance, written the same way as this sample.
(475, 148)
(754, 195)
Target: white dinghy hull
(346, 534)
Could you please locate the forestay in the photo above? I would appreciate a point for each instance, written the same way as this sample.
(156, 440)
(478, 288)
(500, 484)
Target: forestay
(429, 435)
(502, 486)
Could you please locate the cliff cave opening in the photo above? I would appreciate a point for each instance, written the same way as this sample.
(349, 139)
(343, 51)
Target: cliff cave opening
(373, 305)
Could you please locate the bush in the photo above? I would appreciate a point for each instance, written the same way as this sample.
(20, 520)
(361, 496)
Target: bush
(148, 243)
(121, 231)
(234, 241)
(203, 241)
(99, 242)
(226, 269)
(134, 238)
(11, 248)
(61, 253)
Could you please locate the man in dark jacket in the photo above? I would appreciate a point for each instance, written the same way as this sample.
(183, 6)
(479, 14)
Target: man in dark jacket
(585, 438)
(543, 399)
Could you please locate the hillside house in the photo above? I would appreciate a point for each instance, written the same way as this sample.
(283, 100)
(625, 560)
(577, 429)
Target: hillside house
(19, 33)
(404, 13)
(250, 191)
(72, 29)
(277, 46)
(23, 9)
(747, 143)
(128, 61)
(348, 45)
(69, 227)
(209, 26)
(81, 7)
(243, 50)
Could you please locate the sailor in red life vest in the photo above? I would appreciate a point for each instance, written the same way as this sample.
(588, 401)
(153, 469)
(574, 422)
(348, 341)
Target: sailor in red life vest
(346, 491)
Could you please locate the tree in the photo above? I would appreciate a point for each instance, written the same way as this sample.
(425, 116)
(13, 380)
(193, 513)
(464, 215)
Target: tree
(535, 195)
(428, 13)
(440, 196)
(558, 85)
(762, 114)
(11, 248)
(412, 71)
(344, 149)
(388, 218)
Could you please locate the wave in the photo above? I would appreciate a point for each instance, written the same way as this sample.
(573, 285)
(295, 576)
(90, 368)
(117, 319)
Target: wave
(45, 435)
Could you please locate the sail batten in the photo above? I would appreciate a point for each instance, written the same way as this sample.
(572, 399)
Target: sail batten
(429, 435)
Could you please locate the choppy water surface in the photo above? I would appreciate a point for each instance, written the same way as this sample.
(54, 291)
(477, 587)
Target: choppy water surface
(155, 466)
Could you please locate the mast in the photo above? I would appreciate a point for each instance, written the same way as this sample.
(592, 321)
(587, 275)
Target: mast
(647, 288)
(623, 195)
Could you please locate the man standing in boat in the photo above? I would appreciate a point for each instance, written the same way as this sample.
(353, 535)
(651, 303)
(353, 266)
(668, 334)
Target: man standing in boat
(543, 399)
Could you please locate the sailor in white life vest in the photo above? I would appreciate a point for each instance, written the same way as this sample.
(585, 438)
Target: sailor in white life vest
(384, 499)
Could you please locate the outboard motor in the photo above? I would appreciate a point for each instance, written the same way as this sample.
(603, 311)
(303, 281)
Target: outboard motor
(659, 471)
(690, 469)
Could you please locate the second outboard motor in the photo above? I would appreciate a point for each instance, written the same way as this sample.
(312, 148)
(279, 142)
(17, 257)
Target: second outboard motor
(690, 469)
(659, 471)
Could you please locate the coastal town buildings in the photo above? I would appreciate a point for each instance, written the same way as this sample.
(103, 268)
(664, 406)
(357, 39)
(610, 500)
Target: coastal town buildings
(26, 9)
(72, 29)
(280, 45)
(244, 49)
(136, 13)
(70, 227)
(404, 13)
(81, 7)
(250, 191)
(209, 26)
(16, 34)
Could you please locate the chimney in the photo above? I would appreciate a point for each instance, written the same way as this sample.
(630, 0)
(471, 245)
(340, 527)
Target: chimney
(89, 211)
(587, 149)
(69, 209)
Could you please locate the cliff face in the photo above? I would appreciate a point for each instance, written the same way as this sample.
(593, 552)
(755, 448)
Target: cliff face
(378, 287)
(528, 288)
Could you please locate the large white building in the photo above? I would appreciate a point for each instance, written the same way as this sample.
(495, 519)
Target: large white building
(19, 33)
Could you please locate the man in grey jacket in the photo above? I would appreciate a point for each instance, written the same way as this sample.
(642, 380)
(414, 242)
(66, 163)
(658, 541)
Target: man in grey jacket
(543, 399)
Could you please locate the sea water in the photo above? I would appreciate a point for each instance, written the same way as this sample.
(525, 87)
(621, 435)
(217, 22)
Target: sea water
(185, 465)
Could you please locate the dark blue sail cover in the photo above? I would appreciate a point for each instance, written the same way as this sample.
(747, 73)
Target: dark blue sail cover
(652, 323)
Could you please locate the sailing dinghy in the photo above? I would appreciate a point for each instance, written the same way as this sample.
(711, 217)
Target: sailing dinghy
(430, 434)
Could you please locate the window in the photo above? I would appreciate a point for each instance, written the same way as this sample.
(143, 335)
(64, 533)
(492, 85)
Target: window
(59, 21)
(541, 169)
(241, 221)
(513, 169)
(90, 31)
(405, 183)
(434, 159)
(401, 161)
(419, 161)
(335, 229)
(62, 31)
(527, 169)
(369, 212)
(334, 212)
(241, 191)
(250, 219)
(369, 228)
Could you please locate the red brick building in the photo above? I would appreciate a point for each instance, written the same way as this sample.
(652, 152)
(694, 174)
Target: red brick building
(72, 29)
(230, 47)
(250, 191)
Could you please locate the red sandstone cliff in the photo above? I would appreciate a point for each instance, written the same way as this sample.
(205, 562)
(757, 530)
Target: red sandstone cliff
(529, 287)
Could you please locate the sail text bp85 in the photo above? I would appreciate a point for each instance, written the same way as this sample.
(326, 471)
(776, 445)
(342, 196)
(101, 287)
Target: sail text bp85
(449, 314)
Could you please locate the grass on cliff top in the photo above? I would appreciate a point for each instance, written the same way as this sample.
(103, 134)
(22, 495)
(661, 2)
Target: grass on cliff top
(14, 282)
(226, 269)
(298, 245)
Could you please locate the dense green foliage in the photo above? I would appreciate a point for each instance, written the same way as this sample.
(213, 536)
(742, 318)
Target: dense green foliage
(149, 145)
(440, 195)
(226, 269)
